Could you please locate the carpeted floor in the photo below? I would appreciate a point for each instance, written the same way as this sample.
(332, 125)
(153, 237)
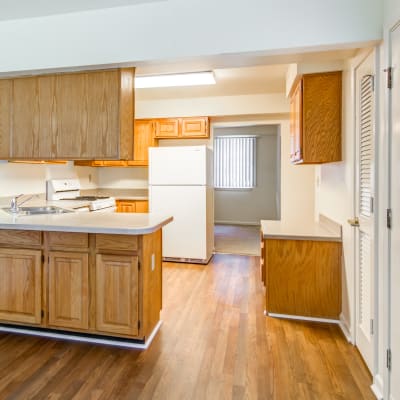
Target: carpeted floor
(237, 239)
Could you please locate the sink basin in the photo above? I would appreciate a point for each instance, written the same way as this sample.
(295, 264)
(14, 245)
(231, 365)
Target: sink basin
(37, 210)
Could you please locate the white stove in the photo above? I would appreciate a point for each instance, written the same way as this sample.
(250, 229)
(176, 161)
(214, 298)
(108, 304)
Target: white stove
(69, 190)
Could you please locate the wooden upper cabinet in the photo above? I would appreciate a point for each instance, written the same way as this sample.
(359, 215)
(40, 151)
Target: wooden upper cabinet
(315, 119)
(143, 138)
(182, 128)
(167, 128)
(195, 127)
(79, 115)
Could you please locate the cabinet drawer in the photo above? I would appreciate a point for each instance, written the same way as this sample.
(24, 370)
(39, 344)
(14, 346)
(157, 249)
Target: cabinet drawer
(68, 239)
(21, 238)
(116, 242)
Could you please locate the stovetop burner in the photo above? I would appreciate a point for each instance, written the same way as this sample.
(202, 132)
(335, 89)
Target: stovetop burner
(87, 198)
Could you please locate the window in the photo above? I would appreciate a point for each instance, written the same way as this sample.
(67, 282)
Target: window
(235, 162)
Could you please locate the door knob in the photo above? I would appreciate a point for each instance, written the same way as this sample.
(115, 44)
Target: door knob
(354, 222)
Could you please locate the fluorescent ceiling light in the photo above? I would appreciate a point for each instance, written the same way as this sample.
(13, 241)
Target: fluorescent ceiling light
(186, 79)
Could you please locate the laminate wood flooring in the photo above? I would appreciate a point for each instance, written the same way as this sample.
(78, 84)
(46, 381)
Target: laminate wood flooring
(215, 343)
(237, 239)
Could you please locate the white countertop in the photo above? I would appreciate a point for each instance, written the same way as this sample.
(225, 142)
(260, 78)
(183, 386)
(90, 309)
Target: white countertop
(90, 222)
(294, 231)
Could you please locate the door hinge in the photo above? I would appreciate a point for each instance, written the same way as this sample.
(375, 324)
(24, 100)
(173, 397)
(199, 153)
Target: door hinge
(389, 359)
(389, 218)
(389, 77)
(138, 324)
(371, 327)
(371, 205)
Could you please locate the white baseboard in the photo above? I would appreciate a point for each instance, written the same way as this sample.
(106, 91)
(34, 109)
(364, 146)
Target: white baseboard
(377, 387)
(299, 317)
(83, 338)
(344, 326)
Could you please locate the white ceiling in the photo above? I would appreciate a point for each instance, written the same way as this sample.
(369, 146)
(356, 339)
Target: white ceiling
(17, 9)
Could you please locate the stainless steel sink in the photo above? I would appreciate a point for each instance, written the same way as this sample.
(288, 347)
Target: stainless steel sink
(37, 210)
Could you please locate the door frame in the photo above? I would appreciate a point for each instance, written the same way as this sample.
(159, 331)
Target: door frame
(386, 238)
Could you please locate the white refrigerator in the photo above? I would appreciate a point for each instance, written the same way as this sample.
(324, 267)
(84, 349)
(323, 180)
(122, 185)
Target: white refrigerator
(180, 184)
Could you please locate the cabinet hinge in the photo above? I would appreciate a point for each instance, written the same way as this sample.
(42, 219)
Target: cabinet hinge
(138, 265)
(371, 327)
(42, 313)
(389, 359)
(389, 77)
(389, 218)
(42, 261)
(138, 324)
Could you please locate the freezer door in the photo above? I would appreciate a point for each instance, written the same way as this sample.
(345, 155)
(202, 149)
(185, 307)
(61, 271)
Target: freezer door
(186, 235)
(184, 165)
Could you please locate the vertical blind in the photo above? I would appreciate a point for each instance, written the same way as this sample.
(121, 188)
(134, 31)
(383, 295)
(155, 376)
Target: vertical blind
(235, 162)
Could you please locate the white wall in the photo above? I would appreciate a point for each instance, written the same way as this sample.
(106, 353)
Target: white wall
(250, 206)
(16, 178)
(123, 178)
(178, 29)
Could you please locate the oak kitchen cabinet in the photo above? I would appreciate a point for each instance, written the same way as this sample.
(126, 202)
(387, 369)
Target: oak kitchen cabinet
(315, 118)
(182, 128)
(301, 269)
(83, 282)
(143, 138)
(139, 206)
(82, 115)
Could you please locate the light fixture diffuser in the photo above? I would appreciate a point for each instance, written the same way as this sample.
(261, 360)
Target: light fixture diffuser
(169, 80)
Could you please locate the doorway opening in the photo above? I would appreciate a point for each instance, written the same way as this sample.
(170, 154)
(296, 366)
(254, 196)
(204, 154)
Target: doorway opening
(247, 189)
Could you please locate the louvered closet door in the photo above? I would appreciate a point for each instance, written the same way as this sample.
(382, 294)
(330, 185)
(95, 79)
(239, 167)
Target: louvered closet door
(365, 210)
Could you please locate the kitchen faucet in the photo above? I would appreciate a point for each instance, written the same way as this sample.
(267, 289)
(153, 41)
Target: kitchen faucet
(14, 207)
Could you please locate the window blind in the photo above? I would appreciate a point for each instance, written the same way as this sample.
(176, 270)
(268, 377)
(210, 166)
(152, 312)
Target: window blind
(235, 162)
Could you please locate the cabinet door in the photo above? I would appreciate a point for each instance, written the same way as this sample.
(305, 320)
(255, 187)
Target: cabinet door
(194, 127)
(68, 290)
(167, 128)
(5, 117)
(20, 286)
(117, 294)
(142, 206)
(296, 124)
(126, 206)
(143, 139)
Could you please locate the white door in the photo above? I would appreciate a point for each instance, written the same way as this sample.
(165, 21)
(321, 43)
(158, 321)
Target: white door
(394, 267)
(365, 110)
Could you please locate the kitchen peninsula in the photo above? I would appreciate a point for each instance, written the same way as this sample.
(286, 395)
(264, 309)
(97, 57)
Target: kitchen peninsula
(84, 276)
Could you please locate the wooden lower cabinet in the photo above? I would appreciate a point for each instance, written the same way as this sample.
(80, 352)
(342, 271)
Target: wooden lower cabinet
(68, 290)
(302, 277)
(117, 290)
(139, 206)
(104, 284)
(20, 285)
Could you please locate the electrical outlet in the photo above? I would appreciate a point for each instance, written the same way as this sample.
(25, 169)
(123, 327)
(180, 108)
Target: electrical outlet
(90, 177)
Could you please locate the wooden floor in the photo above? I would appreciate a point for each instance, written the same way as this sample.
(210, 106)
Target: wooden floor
(215, 343)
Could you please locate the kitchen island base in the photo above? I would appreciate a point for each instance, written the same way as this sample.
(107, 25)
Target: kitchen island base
(92, 284)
